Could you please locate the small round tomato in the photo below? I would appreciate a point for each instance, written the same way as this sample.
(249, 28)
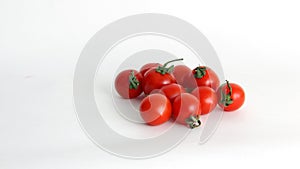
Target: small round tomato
(155, 109)
(231, 96)
(172, 91)
(148, 66)
(156, 91)
(156, 78)
(180, 72)
(128, 84)
(202, 76)
(187, 110)
(207, 97)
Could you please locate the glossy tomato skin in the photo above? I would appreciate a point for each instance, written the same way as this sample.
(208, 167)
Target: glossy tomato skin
(210, 79)
(237, 96)
(207, 97)
(180, 73)
(155, 80)
(156, 91)
(122, 84)
(148, 66)
(185, 106)
(155, 109)
(172, 91)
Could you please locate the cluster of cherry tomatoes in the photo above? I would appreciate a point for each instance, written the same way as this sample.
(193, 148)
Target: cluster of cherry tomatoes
(178, 92)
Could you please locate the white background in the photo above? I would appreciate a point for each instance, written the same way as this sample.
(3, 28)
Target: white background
(257, 42)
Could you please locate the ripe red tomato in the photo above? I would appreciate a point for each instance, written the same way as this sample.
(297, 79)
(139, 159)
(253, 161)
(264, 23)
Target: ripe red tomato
(156, 78)
(155, 109)
(180, 72)
(207, 97)
(202, 76)
(172, 91)
(231, 96)
(148, 66)
(128, 84)
(156, 91)
(187, 110)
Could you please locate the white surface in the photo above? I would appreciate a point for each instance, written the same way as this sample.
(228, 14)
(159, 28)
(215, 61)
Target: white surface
(40, 41)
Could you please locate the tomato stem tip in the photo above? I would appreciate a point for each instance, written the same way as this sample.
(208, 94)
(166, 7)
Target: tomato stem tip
(200, 71)
(226, 99)
(164, 69)
(193, 121)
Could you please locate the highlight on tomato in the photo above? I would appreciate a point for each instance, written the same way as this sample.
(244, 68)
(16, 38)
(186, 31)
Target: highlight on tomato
(148, 66)
(172, 91)
(207, 97)
(155, 109)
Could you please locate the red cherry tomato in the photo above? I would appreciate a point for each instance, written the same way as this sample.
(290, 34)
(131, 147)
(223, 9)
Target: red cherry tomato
(231, 96)
(202, 76)
(148, 66)
(172, 91)
(128, 84)
(156, 78)
(187, 110)
(180, 72)
(155, 109)
(156, 91)
(208, 98)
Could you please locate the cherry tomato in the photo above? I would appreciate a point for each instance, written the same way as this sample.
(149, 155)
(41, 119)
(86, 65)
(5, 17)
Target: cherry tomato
(156, 78)
(207, 97)
(148, 66)
(187, 110)
(202, 76)
(155, 109)
(128, 84)
(180, 72)
(172, 91)
(231, 96)
(156, 91)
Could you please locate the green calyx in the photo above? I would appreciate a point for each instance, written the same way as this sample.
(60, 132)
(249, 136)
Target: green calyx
(133, 82)
(226, 97)
(193, 121)
(200, 71)
(164, 69)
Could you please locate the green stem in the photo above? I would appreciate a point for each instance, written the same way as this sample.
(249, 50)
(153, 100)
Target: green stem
(226, 97)
(193, 121)
(133, 82)
(164, 69)
(172, 61)
(200, 71)
(229, 87)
